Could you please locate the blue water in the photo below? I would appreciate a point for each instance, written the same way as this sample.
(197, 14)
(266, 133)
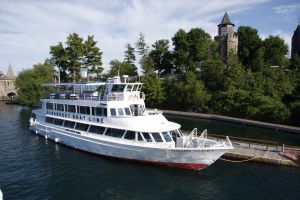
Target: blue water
(33, 168)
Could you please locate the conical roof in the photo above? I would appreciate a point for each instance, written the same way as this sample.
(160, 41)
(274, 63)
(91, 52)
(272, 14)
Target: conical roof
(226, 20)
(10, 73)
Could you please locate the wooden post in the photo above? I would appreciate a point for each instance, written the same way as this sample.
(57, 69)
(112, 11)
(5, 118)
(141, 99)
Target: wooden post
(282, 147)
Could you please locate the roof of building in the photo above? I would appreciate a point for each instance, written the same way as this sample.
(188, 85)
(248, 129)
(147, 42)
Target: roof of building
(10, 73)
(226, 20)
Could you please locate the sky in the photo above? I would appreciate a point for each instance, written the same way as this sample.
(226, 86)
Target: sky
(29, 27)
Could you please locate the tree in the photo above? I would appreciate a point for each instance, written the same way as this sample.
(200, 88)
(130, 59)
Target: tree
(212, 74)
(76, 56)
(194, 94)
(153, 90)
(146, 62)
(233, 73)
(250, 48)
(162, 57)
(277, 82)
(295, 62)
(129, 54)
(142, 46)
(121, 68)
(275, 51)
(75, 52)
(92, 57)
(191, 49)
(59, 58)
(29, 81)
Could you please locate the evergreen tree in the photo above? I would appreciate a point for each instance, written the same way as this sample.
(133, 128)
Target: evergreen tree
(121, 68)
(129, 54)
(162, 57)
(92, 57)
(59, 59)
(153, 90)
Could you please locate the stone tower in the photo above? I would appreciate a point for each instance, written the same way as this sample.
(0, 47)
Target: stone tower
(296, 41)
(7, 84)
(10, 72)
(228, 39)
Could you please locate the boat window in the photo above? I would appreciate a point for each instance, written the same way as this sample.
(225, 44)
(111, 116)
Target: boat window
(82, 127)
(58, 122)
(118, 88)
(113, 112)
(167, 136)
(69, 124)
(134, 87)
(127, 111)
(120, 111)
(178, 133)
(130, 135)
(140, 138)
(49, 106)
(97, 111)
(147, 137)
(114, 132)
(139, 87)
(71, 108)
(49, 120)
(60, 107)
(105, 112)
(97, 129)
(129, 87)
(157, 137)
(85, 110)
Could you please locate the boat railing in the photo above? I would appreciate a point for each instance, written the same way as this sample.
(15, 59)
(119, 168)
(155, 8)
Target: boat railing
(92, 96)
(154, 112)
(193, 141)
(114, 96)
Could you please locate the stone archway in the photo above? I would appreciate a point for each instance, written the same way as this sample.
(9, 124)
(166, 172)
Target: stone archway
(11, 95)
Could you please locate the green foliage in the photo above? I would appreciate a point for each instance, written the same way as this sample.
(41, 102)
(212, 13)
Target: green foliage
(190, 49)
(153, 90)
(29, 81)
(186, 94)
(92, 57)
(275, 51)
(250, 49)
(123, 68)
(277, 82)
(295, 62)
(162, 57)
(76, 56)
(129, 54)
(241, 103)
(233, 73)
(75, 52)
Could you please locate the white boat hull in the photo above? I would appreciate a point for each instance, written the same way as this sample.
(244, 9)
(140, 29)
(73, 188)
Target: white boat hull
(193, 158)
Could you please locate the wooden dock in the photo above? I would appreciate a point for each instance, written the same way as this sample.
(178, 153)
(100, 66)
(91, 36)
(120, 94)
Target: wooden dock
(262, 153)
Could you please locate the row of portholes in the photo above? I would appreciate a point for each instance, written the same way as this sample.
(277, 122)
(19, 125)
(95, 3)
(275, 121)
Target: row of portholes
(68, 115)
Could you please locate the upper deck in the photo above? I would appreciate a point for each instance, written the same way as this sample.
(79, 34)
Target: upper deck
(111, 90)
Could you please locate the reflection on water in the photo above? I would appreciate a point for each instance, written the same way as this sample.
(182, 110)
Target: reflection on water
(33, 168)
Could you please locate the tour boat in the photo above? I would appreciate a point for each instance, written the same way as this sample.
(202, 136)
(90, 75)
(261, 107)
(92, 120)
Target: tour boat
(111, 119)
